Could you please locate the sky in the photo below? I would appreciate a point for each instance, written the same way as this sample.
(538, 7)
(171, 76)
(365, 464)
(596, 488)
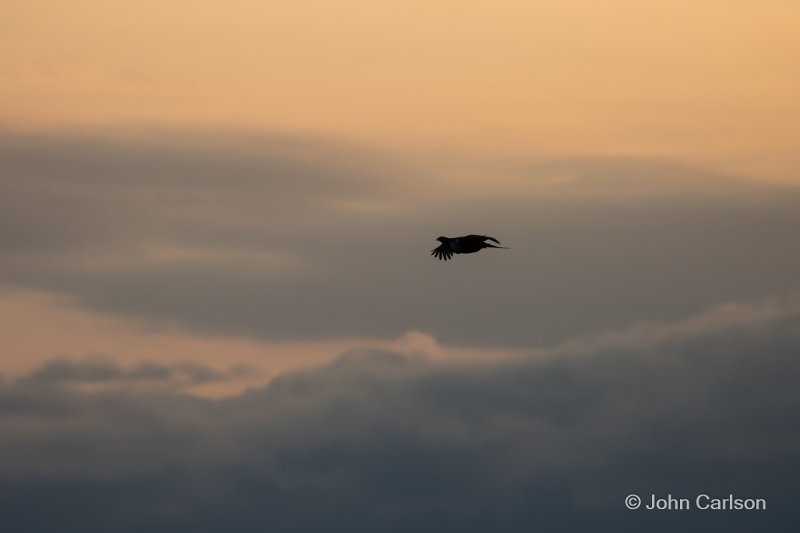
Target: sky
(220, 313)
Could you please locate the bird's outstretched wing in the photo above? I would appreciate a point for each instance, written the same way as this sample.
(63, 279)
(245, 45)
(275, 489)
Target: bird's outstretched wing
(481, 238)
(442, 252)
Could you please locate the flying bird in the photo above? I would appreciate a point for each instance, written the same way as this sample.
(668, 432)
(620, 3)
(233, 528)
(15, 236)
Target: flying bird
(462, 245)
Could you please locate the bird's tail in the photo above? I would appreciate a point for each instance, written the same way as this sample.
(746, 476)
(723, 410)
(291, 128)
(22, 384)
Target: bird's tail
(493, 246)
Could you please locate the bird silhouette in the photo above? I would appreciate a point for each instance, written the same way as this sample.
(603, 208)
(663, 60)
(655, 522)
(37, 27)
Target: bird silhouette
(468, 244)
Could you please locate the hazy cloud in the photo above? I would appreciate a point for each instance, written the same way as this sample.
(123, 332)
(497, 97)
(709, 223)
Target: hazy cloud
(293, 239)
(548, 441)
(99, 370)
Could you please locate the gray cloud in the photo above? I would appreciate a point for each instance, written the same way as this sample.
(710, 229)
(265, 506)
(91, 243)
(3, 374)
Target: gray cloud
(550, 441)
(284, 238)
(99, 370)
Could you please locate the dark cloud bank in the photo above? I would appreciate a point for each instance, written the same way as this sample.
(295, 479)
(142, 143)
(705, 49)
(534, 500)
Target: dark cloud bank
(377, 441)
(103, 370)
(280, 238)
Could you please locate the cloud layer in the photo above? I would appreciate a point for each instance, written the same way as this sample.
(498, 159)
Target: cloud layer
(377, 440)
(281, 238)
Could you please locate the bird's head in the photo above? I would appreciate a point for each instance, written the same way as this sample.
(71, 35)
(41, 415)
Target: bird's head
(442, 239)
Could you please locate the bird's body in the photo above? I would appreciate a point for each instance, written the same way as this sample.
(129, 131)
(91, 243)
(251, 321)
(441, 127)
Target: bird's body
(462, 245)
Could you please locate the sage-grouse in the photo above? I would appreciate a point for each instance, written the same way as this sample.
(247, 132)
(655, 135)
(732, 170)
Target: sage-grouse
(462, 245)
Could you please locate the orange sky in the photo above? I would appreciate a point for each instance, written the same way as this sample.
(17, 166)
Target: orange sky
(715, 79)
